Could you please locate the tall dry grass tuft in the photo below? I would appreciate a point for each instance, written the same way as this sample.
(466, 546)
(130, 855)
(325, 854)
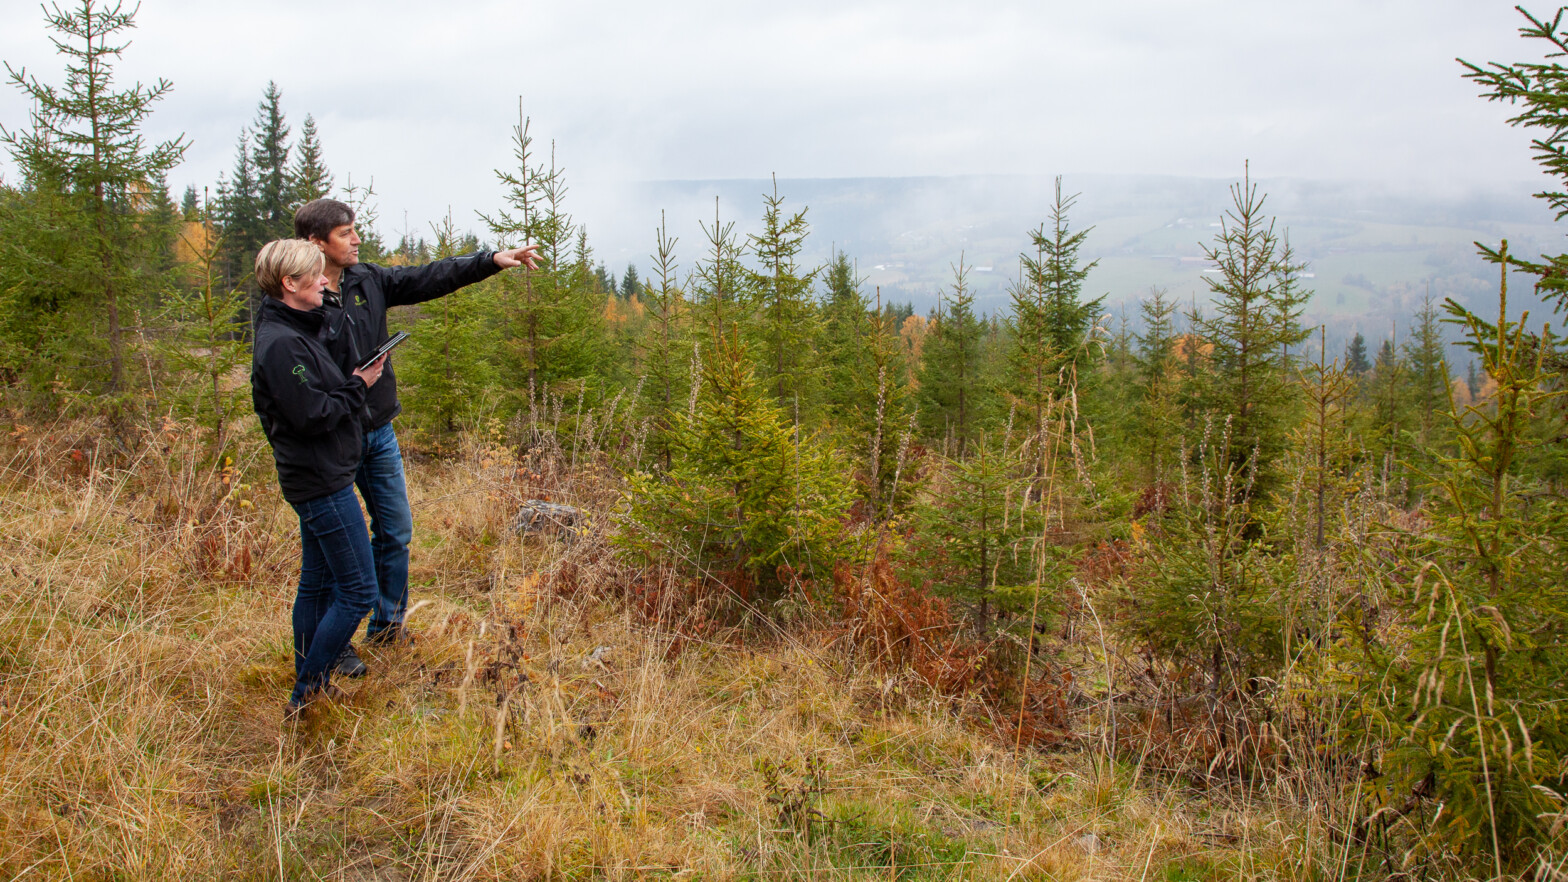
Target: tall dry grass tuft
(126, 588)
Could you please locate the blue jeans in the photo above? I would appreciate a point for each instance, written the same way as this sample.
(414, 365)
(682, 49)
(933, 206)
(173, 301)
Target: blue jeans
(380, 482)
(337, 585)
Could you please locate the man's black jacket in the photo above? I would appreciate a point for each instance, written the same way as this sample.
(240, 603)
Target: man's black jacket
(309, 407)
(367, 290)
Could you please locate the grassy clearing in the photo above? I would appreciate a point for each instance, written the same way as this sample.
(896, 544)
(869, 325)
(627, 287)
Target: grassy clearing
(546, 725)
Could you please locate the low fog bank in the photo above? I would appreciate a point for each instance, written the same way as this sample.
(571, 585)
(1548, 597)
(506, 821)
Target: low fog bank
(1373, 251)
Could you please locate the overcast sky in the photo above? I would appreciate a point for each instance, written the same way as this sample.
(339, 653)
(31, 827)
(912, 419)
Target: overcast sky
(424, 100)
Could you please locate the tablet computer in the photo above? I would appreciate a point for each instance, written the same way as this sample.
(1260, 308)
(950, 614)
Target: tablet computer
(386, 347)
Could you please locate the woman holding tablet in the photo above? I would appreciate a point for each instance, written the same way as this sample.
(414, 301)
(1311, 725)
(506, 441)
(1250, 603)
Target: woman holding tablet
(310, 412)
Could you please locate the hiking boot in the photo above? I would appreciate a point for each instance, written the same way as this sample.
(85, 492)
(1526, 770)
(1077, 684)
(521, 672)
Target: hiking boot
(349, 663)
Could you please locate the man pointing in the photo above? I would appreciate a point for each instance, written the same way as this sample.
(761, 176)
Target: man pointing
(363, 292)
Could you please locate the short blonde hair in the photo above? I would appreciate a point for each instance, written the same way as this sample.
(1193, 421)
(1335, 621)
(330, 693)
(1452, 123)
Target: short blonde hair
(286, 259)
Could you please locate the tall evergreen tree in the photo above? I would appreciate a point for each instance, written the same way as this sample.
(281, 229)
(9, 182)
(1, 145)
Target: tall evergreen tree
(1356, 362)
(631, 286)
(86, 163)
(604, 280)
(308, 178)
(190, 204)
(270, 158)
(239, 214)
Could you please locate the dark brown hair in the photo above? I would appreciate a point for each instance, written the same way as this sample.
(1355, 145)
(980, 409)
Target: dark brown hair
(319, 217)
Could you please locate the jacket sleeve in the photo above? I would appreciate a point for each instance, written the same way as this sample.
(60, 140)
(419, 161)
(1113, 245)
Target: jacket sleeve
(300, 394)
(404, 285)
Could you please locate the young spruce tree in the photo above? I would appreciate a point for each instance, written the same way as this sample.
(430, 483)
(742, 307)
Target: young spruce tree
(664, 349)
(551, 318)
(1051, 327)
(977, 531)
(88, 234)
(785, 324)
(1428, 379)
(1257, 301)
(845, 325)
(204, 350)
(952, 394)
(748, 496)
(1464, 700)
(1158, 420)
(445, 363)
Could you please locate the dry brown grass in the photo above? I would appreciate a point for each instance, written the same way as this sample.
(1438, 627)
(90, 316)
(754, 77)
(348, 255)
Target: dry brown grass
(552, 723)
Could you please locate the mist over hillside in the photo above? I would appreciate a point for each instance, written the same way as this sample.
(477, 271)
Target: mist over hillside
(1372, 252)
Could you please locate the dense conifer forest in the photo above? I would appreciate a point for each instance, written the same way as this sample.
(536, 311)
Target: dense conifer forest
(1187, 569)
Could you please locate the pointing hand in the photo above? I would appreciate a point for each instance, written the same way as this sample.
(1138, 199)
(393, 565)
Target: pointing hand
(528, 256)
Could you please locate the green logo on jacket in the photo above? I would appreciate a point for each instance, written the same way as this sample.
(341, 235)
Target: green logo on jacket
(299, 371)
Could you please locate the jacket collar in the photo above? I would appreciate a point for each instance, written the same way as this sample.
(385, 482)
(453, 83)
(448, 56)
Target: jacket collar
(273, 309)
(352, 278)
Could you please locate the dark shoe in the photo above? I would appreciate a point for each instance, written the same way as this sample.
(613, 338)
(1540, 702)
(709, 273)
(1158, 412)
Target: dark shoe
(393, 635)
(349, 663)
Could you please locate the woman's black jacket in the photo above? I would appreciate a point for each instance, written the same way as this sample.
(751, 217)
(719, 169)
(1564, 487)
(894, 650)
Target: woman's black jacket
(309, 409)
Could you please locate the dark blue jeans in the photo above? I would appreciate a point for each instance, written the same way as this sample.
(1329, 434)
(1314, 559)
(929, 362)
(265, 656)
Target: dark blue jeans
(380, 482)
(337, 585)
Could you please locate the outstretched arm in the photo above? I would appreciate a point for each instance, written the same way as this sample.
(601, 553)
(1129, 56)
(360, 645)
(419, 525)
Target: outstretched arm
(416, 284)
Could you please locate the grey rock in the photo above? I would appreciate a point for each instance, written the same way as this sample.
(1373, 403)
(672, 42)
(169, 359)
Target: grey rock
(536, 516)
(597, 657)
(1091, 843)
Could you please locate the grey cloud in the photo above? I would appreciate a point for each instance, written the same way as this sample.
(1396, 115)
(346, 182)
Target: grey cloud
(424, 100)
